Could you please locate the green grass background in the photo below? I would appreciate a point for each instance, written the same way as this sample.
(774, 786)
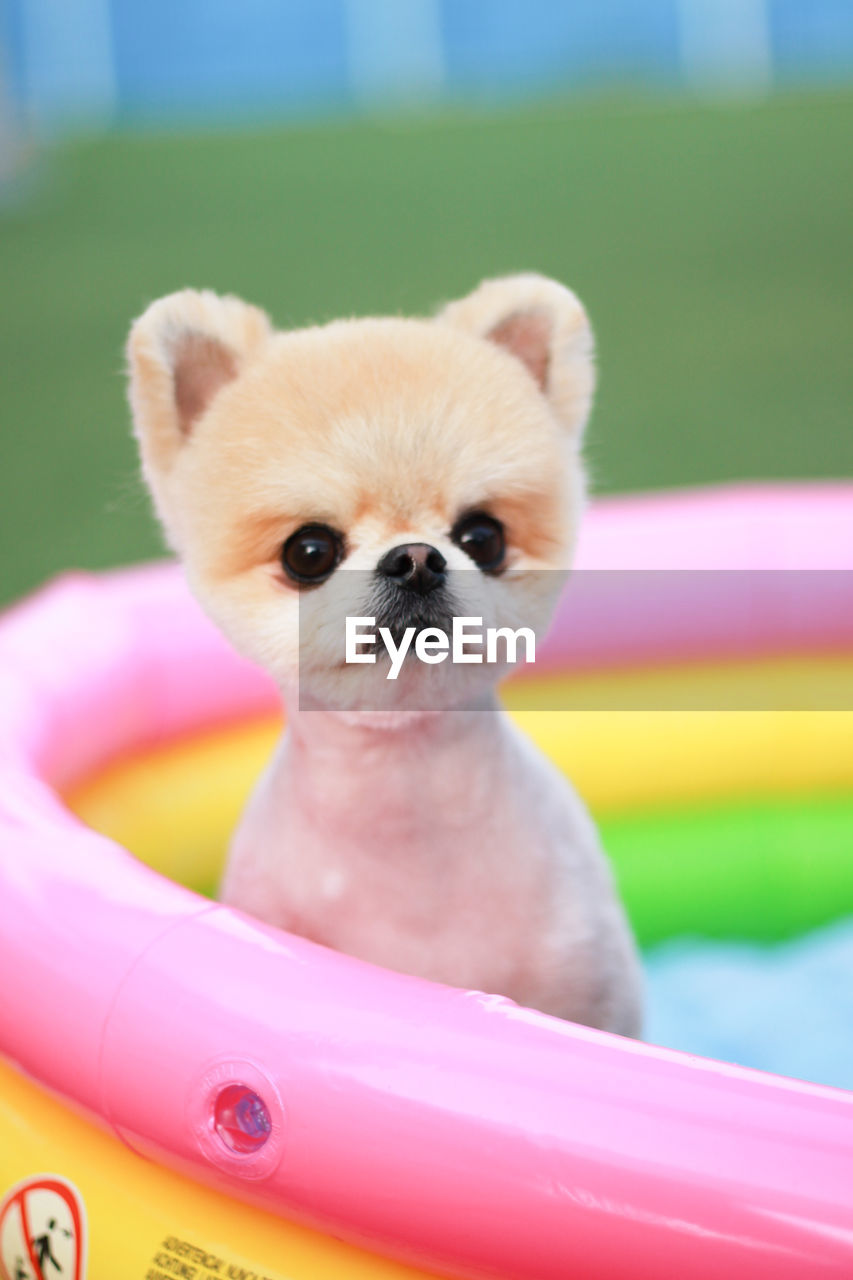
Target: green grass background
(711, 244)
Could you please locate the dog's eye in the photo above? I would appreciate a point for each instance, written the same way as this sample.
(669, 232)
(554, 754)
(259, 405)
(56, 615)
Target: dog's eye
(312, 553)
(482, 538)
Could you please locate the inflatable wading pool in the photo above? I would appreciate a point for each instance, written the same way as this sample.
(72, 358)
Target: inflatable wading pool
(185, 1092)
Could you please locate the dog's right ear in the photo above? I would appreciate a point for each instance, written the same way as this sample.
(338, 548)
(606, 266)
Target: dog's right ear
(181, 352)
(541, 324)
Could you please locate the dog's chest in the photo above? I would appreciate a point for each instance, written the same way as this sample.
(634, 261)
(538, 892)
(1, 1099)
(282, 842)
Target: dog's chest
(421, 888)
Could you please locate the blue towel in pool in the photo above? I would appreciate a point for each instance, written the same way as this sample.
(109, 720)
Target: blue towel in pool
(786, 1007)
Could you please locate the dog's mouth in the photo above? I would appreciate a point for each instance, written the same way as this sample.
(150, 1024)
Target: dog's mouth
(398, 611)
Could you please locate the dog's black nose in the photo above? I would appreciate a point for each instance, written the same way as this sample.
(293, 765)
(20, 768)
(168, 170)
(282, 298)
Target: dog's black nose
(415, 566)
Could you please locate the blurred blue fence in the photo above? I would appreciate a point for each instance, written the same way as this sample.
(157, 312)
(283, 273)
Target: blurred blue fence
(71, 63)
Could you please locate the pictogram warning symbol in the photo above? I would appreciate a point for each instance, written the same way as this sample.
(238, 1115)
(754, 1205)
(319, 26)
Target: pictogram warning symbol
(43, 1231)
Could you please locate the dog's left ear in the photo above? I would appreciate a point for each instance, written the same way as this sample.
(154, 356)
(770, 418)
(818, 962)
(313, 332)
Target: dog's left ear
(182, 353)
(542, 324)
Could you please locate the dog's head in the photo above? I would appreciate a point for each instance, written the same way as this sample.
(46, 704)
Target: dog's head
(406, 470)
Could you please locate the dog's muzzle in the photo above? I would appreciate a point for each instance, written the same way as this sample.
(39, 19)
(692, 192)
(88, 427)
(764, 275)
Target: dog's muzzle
(411, 590)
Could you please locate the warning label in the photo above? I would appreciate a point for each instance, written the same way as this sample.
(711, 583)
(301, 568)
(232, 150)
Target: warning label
(180, 1260)
(43, 1237)
(43, 1231)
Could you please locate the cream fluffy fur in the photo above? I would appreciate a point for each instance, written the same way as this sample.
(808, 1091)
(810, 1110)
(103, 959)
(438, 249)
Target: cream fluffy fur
(438, 843)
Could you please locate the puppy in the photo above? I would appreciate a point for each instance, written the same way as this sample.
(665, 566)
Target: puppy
(409, 471)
